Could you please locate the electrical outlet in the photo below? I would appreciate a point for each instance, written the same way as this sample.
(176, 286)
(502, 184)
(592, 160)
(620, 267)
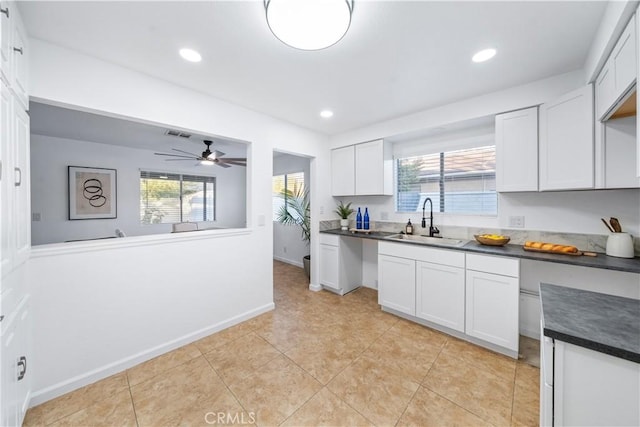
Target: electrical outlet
(516, 221)
(321, 210)
(36, 216)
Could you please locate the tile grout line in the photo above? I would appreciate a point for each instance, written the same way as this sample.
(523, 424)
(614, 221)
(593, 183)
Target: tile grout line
(133, 405)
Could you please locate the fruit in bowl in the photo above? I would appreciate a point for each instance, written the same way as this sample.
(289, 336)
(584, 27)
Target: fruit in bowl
(492, 239)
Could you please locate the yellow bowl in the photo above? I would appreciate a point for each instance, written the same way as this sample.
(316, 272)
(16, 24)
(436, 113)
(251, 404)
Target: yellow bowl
(482, 239)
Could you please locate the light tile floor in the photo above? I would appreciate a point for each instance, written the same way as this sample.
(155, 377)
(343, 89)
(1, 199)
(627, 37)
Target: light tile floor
(317, 359)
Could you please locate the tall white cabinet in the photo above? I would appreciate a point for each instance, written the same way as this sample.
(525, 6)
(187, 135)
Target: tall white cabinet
(362, 169)
(15, 224)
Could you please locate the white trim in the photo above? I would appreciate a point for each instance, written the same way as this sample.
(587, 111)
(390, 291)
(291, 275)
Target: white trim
(41, 396)
(315, 288)
(289, 261)
(55, 249)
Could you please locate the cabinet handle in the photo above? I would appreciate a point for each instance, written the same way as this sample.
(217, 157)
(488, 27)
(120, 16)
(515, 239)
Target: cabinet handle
(18, 49)
(5, 11)
(1, 318)
(22, 364)
(18, 177)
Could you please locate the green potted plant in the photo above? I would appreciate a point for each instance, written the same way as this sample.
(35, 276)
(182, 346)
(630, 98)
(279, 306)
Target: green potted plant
(343, 212)
(296, 211)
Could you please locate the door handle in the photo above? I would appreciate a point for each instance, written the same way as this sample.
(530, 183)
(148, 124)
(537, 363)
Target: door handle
(18, 181)
(5, 11)
(22, 364)
(18, 49)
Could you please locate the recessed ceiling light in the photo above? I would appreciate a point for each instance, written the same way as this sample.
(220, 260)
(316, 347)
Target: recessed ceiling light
(326, 114)
(190, 55)
(484, 55)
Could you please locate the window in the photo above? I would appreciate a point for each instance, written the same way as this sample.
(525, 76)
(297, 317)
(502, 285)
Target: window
(292, 182)
(167, 198)
(459, 182)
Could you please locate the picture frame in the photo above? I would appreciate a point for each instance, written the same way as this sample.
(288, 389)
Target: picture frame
(92, 193)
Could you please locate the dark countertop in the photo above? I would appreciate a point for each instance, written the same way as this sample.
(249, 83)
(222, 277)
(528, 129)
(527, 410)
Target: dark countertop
(631, 265)
(600, 322)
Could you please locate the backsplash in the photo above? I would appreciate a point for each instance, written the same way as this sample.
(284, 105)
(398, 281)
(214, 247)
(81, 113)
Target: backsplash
(585, 242)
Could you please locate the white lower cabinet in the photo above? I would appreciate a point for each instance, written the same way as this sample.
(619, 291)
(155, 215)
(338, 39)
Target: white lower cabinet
(440, 294)
(397, 283)
(15, 359)
(492, 300)
(340, 261)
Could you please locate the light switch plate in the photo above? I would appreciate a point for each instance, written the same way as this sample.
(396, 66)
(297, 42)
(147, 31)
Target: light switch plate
(516, 221)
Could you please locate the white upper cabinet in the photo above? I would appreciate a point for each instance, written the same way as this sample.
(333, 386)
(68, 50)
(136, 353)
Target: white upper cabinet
(343, 173)
(517, 150)
(618, 74)
(362, 170)
(566, 142)
(13, 52)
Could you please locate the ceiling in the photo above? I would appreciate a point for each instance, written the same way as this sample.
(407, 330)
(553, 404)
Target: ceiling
(397, 58)
(81, 126)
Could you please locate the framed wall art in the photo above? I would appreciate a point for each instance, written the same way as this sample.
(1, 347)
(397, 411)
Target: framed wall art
(92, 193)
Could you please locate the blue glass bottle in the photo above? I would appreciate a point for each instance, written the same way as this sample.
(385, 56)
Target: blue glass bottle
(366, 218)
(359, 220)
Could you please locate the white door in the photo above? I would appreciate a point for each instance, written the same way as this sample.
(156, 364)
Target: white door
(329, 266)
(369, 168)
(9, 392)
(492, 308)
(19, 50)
(440, 294)
(517, 151)
(6, 182)
(566, 142)
(23, 360)
(397, 283)
(343, 165)
(6, 10)
(22, 226)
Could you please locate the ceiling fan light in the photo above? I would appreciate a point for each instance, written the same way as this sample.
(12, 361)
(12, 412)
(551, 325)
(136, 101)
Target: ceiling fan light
(207, 162)
(309, 24)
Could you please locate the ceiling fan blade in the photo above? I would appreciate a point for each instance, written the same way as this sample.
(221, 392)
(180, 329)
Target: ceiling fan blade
(178, 160)
(224, 165)
(235, 163)
(216, 154)
(234, 159)
(185, 152)
(173, 155)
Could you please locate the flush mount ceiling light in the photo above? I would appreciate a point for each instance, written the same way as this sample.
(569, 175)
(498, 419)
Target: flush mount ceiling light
(484, 55)
(190, 55)
(326, 114)
(309, 24)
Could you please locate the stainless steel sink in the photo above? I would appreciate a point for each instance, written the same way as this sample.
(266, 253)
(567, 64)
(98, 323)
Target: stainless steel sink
(438, 241)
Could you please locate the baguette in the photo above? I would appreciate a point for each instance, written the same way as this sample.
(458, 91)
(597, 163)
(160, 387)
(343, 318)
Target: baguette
(551, 247)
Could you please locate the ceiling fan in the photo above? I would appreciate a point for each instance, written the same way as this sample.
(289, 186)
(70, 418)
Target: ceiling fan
(207, 157)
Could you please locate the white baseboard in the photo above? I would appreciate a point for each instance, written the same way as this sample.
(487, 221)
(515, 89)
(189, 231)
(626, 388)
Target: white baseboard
(315, 288)
(288, 261)
(51, 392)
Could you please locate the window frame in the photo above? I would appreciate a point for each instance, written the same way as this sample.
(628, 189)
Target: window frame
(181, 178)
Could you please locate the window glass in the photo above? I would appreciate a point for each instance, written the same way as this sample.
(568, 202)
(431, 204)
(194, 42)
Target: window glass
(172, 198)
(293, 183)
(459, 182)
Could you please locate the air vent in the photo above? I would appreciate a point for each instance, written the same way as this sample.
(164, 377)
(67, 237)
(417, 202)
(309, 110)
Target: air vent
(177, 133)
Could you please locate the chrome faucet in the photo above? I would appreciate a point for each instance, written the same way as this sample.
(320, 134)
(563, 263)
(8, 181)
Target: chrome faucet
(432, 230)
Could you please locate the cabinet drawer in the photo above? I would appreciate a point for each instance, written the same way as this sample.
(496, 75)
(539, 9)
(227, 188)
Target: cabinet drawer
(493, 264)
(329, 239)
(422, 253)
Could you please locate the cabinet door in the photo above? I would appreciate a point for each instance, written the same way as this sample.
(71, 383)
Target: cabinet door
(16, 374)
(397, 284)
(343, 165)
(624, 60)
(566, 142)
(440, 294)
(605, 90)
(19, 50)
(6, 182)
(492, 308)
(329, 266)
(9, 380)
(517, 151)
(372, 169)
(22, 211)
(5, 42)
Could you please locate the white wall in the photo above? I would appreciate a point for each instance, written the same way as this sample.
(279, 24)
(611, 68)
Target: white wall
(288, 245)
(96, 312)
(49, 190)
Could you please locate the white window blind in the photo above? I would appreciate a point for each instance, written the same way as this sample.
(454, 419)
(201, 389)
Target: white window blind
(292, 182)
(458, 181)
(167, 198)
